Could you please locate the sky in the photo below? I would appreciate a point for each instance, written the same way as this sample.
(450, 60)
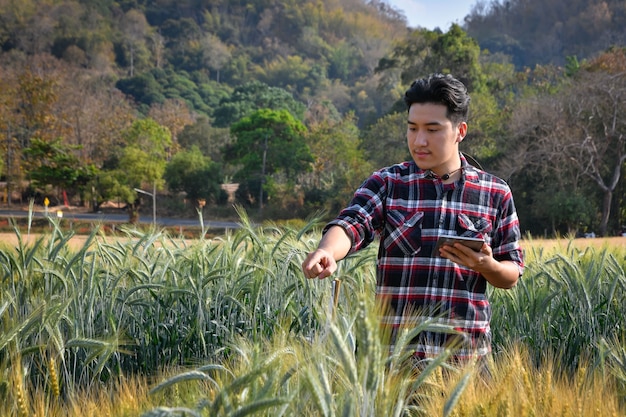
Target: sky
(434, 13)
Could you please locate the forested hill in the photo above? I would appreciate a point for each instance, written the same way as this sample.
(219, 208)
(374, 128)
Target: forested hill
(298, 100)
(318, 50)
(194, 49)
(547, 31)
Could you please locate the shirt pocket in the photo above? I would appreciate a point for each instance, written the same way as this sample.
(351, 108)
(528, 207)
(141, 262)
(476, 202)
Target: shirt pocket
(469, 226)
(403, 233)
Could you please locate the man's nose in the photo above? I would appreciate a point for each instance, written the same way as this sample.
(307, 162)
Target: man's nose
(419, 138)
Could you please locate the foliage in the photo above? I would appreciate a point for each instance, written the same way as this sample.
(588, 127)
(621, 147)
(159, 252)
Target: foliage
(209, 139)
(85, 71)
(190, 171)
(156, 86)
(54, 164)
(384, 143)
(425, 52)
(339, 167)
(537, 32)
(267, 143)
(254, 96)
(572, 137)
(143, 157)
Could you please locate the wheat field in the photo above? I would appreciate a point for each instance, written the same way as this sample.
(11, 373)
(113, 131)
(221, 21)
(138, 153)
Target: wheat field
(151, 325)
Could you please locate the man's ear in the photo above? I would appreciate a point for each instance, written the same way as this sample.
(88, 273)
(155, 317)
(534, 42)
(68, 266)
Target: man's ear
(461, 131)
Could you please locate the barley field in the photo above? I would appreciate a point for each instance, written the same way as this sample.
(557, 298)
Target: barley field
(152, 325)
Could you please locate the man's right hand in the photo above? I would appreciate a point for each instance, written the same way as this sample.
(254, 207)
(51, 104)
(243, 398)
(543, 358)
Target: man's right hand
(319, 264)
(322, 262)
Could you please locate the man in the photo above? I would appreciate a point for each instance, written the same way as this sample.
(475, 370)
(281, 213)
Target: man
(410, 205)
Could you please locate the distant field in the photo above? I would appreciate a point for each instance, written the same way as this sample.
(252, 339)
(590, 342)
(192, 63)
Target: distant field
(599, 242)
(10, 239)
(76, 242)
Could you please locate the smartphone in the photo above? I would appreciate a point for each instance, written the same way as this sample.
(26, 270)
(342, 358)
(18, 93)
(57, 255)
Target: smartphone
(471, 242)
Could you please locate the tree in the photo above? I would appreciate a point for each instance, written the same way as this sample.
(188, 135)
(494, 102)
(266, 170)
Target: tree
(135, 29)
(210, 140)
(195, 174)
(385, 143)
(53, 163)
(598, 149)
(424, 52)
(340, 163)
(268, 142)
(95, 114)
(215, 54)
(577, 134)
(173, 114)
(141, 162)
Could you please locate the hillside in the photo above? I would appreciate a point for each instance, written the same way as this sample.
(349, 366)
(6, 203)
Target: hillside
(544, 32)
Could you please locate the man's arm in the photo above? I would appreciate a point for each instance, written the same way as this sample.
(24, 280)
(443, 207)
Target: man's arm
(322, 262)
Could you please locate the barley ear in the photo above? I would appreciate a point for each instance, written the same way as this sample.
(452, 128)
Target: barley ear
(54, 378)
(20, 395)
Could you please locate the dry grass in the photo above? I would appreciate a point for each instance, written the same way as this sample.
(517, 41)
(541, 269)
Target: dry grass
(9, 240)
(580, 243)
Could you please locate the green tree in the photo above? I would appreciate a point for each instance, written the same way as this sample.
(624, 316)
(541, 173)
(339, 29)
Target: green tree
(268, 143)
(141, 162)
(210, 140)
(195, 174)
(385, 143)
(53, 163)
(424, 52)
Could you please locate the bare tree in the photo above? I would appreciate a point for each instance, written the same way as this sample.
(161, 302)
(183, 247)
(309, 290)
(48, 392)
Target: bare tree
(575, 134)
(596, 108)
(215, 54)
(135, 29)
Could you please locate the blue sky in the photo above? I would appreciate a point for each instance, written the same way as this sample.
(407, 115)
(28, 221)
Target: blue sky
(434, 13)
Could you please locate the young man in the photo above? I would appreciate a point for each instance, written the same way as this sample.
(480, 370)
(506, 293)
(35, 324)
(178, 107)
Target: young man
(410, 205)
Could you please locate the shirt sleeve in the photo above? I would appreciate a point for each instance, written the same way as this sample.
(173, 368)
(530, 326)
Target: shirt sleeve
(363, 218)
(506, 240)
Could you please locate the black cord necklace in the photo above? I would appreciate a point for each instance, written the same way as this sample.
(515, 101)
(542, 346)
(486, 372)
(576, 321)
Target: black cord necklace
(431, 175)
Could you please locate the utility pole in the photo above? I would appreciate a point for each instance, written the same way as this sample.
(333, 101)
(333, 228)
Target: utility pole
(153, 195)
(9, 167)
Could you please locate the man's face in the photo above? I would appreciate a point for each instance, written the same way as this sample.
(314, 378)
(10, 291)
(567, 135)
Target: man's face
(433, 139)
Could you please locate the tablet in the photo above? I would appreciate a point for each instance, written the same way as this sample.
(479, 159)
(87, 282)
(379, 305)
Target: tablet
(471, 242)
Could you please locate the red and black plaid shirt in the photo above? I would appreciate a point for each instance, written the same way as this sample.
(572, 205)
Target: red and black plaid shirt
(408, 212)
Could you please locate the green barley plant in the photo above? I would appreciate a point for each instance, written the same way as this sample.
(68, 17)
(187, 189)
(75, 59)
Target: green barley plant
(327, 375)
(146, 302)
(565, 304)
(237, 309)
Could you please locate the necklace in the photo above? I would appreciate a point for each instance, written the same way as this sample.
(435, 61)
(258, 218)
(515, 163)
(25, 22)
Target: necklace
(431, 175)
(445, 177)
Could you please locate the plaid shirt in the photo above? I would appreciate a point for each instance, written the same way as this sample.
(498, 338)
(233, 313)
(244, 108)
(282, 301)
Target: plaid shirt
(408, 212)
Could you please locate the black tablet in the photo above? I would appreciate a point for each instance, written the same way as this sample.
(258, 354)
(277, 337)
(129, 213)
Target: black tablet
(471, 242)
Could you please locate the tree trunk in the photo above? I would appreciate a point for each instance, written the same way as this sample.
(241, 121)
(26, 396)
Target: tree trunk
(133, 212)
(606, 211)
